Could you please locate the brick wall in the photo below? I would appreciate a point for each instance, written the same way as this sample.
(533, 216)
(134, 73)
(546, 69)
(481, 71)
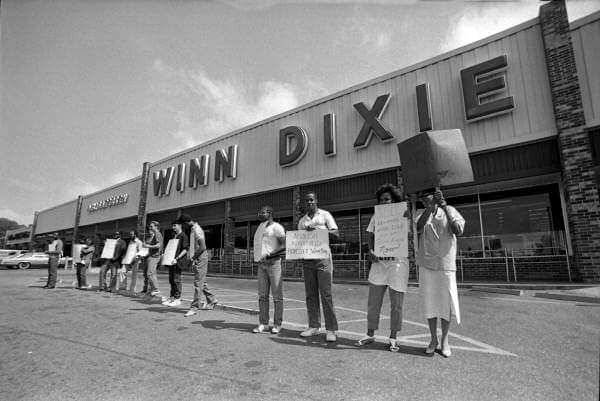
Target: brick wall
(578, 175)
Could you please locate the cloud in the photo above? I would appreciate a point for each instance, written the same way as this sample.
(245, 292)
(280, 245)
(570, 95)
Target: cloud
(365, 32)
(19, 218)
(202, 107)
(264, 4)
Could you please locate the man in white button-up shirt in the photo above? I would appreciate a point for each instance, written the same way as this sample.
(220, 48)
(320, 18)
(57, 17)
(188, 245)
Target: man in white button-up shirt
(269, 246)
(318, 273)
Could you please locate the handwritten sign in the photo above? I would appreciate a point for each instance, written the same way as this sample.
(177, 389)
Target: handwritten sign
(144, 252)
(130, 254)
(307, 244)
(77, 253)
(108, 252)
(169, 254)
(391, 230)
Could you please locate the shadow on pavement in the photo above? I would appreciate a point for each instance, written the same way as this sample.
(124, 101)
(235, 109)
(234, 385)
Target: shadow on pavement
(223, 325)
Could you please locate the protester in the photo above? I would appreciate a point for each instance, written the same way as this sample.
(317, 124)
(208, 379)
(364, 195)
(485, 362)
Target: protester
(438, 227)
(55, 252)
(199, 257)
(387, 273)
(133, 266)
(115, 262)
(155, 246)
(86, 254)
(318, 273)
(176, 265)
(269, 247)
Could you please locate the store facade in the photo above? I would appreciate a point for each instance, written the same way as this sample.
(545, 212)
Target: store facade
(501, 92)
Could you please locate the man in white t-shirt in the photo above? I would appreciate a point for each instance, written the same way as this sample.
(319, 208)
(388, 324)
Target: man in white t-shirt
(269, 247)
(318, 273)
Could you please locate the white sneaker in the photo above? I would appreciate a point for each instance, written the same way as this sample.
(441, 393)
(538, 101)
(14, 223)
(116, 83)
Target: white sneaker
(331, 337)
(175, 302)
(276, 329)
(167, 301)
(189, 313)
(155, 292)
(311, 331)
(261, 328)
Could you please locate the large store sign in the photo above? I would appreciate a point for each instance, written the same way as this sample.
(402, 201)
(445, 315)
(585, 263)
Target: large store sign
(109, 202)
(483, 86)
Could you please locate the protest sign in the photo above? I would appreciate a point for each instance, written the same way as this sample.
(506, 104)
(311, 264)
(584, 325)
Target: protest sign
(76, 253)
(144, 252)
(130, 254)
(391, 230)
(307, 244)
(434, 159)
(108, 252)
(169, 253)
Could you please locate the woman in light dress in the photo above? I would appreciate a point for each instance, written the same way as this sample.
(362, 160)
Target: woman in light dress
(437, 227)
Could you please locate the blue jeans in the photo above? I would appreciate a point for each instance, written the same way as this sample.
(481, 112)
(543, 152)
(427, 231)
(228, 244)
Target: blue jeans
(269, 276)
(200, 268)
(317, 282)
(376, 293)
(152, 264)
(52, 270)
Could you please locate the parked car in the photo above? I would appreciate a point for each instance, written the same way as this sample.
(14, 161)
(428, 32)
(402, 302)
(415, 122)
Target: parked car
(27, 260)
(9, 253)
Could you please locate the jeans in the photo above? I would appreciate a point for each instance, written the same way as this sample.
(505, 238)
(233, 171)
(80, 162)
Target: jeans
(144, 262)
(376, 293)
(134, 271)
(82, 274)
(115, 267)
(102, 276)
(152, 262)
(52, 270)
(317, 282)
(200, 267)
(269, 275)
(175, 279)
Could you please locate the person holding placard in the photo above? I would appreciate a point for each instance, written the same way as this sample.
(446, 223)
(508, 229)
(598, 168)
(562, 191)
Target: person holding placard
(199, 257)
(155, 245)
(55, 250)
(387, 272)
(115, 262)
(130, 262)
(85, 262)
(318, 273)
(177, 263)
(269, 244)
(437, 226)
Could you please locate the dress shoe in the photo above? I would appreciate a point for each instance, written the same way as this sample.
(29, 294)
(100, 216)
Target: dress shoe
(446, 352)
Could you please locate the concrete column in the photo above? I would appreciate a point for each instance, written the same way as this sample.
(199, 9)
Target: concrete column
(578, 175)
(141, 216)
(228, 238)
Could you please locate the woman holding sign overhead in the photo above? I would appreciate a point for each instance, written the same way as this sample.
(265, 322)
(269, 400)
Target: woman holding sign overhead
(438, 227)
(387, 272)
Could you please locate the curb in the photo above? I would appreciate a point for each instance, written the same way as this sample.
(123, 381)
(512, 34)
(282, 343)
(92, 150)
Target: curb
(568, 297)
(498, 290)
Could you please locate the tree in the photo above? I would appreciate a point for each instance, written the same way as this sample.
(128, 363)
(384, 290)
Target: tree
(7, 224)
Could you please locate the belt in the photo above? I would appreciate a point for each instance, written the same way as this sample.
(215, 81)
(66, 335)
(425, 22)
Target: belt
(387, 258)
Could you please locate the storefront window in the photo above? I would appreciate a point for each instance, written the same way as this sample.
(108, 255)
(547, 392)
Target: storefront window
(240, 241)
(214, 241)
(347, 247)
(365, 218)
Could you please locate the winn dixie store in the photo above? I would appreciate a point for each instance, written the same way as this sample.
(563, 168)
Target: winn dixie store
(523, 211)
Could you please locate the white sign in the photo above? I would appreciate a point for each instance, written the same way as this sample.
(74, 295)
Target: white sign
(130, 254)
(108, 252)
(77, 253)
(391, 230)
(144, 252)
(169, 254)
(307, 244)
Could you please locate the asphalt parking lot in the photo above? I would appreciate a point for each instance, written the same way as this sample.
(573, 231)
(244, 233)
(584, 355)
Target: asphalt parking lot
(70, 344)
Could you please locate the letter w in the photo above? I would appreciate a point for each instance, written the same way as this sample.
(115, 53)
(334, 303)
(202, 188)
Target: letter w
(162, 181)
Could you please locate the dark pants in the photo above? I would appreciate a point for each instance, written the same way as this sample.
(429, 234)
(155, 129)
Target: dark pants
(200, 267)
(317, 283)
(145, 271)
(376, 293)
(102, 276)
(113, 266)
(175, 279)
(82, 274)
(52, 270)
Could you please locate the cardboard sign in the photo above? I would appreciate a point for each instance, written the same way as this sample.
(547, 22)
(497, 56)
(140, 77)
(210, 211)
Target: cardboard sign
(434, 159)
(108, 252)
(144, 252)
(391, 230)
(130, 254)
(169, 253)
(76, 253)
(307, 244)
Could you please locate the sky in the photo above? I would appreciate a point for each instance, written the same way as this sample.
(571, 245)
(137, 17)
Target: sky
(91, 89)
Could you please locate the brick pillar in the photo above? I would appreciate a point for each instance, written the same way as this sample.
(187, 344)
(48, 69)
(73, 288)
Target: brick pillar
(228, 239)
(77, 218)
(33, 243)
(294, 267)
(578, 175)
(141, 216)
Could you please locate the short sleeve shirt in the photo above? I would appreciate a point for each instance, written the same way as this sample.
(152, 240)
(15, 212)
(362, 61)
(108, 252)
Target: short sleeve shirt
(322, 220)
(265, 238)
(437, 243)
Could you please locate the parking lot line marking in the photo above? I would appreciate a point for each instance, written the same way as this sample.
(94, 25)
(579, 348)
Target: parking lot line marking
(533, 301)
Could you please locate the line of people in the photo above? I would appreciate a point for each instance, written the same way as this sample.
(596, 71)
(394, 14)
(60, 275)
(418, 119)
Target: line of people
(437, 227)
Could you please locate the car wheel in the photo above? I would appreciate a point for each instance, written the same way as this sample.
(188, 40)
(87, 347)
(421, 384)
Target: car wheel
(24, 265)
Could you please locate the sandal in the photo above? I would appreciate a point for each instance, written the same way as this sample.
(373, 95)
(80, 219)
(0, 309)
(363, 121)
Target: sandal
(365, 340)
(394, 345)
